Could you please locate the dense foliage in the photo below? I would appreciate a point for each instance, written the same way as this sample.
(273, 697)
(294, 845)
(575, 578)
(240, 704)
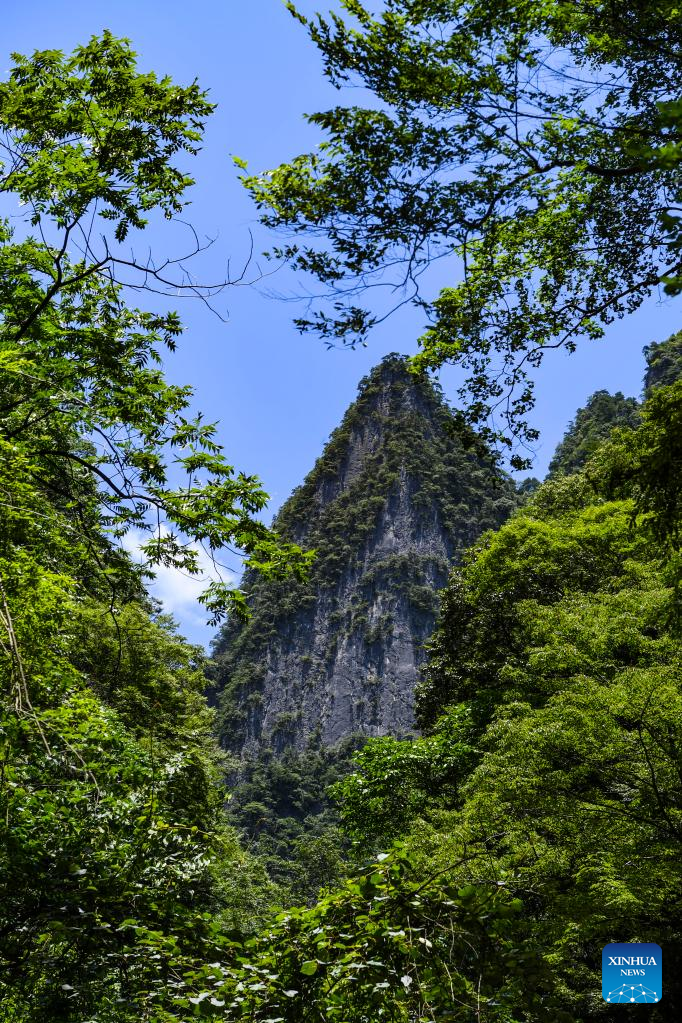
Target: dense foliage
(390, 944)
(551, 703)
(113, 833)
(281, 808)
(116, 865)
(539, 814)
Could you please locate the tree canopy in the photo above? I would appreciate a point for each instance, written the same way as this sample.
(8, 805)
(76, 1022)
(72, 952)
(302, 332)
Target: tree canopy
(537, 144)
(550, 760)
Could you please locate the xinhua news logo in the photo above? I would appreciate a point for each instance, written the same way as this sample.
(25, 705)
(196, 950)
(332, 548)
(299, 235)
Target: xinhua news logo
(632, 972)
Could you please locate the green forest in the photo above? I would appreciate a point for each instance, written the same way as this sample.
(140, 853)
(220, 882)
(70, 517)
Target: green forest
(470, 872)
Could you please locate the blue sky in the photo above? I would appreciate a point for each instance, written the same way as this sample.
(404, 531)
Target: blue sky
(278, 395)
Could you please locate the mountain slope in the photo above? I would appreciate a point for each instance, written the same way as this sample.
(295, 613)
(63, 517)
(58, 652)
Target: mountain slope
(592, 425)
(398, 494)
(664, 363)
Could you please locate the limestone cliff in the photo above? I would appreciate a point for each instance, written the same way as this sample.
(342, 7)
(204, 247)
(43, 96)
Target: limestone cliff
(400, 491)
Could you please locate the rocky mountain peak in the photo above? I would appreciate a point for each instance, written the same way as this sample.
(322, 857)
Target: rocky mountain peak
(398, 493)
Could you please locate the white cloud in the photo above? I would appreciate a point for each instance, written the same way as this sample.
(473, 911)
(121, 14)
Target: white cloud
(178, 591)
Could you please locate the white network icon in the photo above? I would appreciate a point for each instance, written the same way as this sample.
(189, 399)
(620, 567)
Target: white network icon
(632, 993)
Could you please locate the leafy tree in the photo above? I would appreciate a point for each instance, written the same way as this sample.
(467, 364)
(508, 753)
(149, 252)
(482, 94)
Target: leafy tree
(396, 781)
(90, 146)
(540, 557)
(558, 650)
(113, 848)
(117, 868)
(578, 806)
(390, 945)
(538, 143)
(648, 463)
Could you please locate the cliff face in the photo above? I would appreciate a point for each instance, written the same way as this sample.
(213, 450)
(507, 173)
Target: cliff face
(399, 492)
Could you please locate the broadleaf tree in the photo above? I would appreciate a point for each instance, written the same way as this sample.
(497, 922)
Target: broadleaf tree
(533, 146)
(92, 148)
(550, 707)
(117, 869)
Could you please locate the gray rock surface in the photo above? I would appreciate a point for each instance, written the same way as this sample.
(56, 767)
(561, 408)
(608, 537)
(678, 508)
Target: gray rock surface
(399, 492)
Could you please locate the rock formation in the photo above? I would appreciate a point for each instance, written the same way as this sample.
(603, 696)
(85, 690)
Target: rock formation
(400, 491)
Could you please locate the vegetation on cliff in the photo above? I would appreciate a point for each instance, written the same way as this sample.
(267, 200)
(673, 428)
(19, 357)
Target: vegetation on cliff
(664, 363)
(398, 440)
(592, 425)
